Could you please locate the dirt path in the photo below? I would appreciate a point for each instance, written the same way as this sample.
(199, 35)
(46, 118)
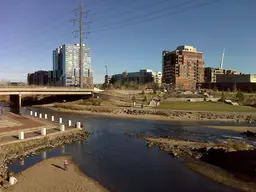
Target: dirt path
(49, 176)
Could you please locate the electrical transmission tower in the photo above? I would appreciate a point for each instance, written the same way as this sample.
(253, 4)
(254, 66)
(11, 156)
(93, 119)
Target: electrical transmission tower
(81, 12)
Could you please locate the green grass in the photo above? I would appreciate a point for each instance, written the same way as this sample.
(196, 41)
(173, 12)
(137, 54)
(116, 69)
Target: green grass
(204, 106)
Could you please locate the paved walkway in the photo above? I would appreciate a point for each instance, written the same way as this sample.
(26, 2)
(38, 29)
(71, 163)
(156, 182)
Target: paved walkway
(6, 122)
(10, 122)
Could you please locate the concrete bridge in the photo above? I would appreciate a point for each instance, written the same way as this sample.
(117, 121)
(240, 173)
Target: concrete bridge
(16, 93)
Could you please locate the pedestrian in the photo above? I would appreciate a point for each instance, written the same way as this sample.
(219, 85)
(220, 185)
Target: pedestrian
(65, 165)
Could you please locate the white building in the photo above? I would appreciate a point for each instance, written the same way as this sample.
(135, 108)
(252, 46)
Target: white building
(157, 76)
(66, 65)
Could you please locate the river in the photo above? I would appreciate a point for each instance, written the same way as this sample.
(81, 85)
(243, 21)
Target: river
(124, 164)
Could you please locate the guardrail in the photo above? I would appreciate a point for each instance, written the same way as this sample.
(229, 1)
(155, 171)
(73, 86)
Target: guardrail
(32, 86)
(43, 88)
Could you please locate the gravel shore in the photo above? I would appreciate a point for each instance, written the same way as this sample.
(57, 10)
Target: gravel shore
(180, 119)
(170, 114)
(50, 176)
(236, 158)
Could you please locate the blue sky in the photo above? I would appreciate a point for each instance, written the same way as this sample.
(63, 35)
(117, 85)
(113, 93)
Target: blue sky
(126, 35)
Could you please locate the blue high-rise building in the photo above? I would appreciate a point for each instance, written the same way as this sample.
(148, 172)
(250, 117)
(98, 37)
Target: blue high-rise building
(66, 70)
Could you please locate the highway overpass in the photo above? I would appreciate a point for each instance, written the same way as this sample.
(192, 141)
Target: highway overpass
(17, 93)
(46, 91)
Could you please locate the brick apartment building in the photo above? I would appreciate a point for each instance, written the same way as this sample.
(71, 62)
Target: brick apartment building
(183, 68)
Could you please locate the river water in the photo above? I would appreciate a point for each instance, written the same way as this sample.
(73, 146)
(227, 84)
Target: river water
(124, 164)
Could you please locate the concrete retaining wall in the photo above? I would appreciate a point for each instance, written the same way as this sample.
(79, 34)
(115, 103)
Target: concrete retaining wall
(192, 99)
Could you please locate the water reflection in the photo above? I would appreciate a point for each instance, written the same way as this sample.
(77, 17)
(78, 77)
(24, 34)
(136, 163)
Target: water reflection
(121, 163)
(63, 149)
(44, 155)
(22, 162)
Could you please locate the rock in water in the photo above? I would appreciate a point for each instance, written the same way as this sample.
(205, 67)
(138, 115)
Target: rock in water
(249, 134)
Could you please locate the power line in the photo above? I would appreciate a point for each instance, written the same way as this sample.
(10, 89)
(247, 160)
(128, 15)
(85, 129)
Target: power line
(148, 14)
(135, 9)
(45, 29)
(40, 45)
(128, 24)
(120, 26)
(39, 35)
(155, 18)
(125, 2)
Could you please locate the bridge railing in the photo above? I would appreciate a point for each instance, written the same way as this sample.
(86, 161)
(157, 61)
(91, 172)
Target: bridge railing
(28, 86)
(38, 87)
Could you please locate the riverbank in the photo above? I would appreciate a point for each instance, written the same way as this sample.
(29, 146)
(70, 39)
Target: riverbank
(23, 149)
(235, 157)
(105, 114)
(183, 117)
(164, 114)
(51, 177)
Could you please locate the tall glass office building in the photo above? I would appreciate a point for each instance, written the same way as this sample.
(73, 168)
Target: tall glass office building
(66, 65)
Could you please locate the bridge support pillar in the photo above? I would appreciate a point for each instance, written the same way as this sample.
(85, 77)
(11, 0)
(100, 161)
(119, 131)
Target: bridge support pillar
(15, 103)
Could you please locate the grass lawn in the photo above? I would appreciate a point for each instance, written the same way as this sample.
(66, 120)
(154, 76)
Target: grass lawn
(204, 106)
(232, 95)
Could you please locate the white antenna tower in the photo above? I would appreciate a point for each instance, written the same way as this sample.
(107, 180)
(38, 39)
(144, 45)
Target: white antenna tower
(222, 59)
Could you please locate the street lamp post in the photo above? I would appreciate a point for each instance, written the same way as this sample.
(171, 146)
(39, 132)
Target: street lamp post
(106, 77)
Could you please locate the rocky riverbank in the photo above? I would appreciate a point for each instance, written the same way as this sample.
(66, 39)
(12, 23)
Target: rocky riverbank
(234, 156)
(161, 114)
(13, 152)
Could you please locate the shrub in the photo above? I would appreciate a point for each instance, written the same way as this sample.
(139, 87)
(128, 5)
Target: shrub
(145, 99)
(222, 99)
(85, 102)
(96, 102)
(250, 90)
(240, 96)
(234, 88)
(215, 89)
(143, 92)
(133, 98)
